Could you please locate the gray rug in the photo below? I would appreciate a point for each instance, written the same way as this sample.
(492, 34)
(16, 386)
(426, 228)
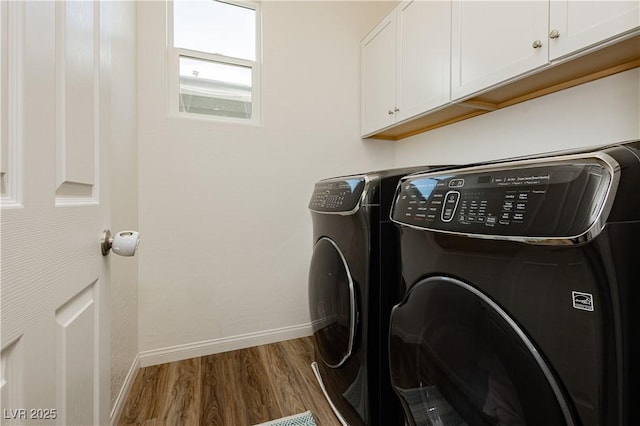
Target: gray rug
(303, 419)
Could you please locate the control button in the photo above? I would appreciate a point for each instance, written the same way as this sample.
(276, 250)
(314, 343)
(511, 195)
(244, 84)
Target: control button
(491, 221)
(510, 196)
(447, 215)
(503, 222)
(504, 216)
(480, 219)
(523, 196)
(471, 219)
(521, 206)
(507, 206)
(450, 204)
(518, 217)
(452, 198)
(456, 183)
(431, 218)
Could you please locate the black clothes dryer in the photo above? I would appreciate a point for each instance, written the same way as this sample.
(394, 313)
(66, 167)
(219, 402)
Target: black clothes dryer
(521, 283)
(354, 252)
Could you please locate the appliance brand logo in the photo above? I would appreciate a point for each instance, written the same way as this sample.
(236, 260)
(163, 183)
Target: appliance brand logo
(582, 301)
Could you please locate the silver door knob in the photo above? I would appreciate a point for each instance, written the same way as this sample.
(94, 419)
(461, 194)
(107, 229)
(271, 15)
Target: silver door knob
(554, 34)
(123, 243)
(537, 44)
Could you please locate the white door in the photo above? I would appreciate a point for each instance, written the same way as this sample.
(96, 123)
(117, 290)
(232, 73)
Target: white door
(495, 41)
(576, 25)
(55, 287)
(424, 56)
(378, 87)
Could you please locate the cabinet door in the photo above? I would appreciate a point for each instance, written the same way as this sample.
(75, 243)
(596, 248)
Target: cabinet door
(424, 57)
(581, 24)
(494, 41)
(378, 87)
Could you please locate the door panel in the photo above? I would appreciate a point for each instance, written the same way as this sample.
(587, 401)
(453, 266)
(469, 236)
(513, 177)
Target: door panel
(378, 60)
(492, 42)
(77, 77)
(581, 24)
(76, 348)
(424, 59)
(55, 284)
(11, 49)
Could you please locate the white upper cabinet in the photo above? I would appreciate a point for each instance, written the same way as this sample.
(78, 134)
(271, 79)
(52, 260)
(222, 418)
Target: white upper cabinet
(432, 63)
(406, 64)
(576, 25)
(424, 64)
(494, 41)
(378, 74)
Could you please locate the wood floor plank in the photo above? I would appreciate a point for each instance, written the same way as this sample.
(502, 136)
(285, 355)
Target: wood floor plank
(228, 400)
(237, 388)
(258, 401)
(283, 381)
(143, 403)
(211, 390)
(300, 352)
(182, 402)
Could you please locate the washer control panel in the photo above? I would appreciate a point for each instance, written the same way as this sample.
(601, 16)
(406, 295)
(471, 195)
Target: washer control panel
(554, 199)
(338, 195)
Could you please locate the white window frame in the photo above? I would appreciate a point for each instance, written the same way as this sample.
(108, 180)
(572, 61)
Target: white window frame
(173, 69)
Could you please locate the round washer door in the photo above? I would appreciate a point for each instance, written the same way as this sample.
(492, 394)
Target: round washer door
(331, 303)
(457, 358)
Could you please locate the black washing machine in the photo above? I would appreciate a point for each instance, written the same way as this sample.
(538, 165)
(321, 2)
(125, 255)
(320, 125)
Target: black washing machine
(354, 252)
(521, 287)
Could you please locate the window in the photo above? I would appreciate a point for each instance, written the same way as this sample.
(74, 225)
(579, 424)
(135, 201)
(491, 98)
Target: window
(214, 58)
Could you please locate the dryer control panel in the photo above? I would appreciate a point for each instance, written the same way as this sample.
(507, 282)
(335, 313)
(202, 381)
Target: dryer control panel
(552, 199)
(340, 195)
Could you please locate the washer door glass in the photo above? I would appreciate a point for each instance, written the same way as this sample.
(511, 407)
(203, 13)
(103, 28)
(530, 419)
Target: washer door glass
(458, 359)
(331, 303)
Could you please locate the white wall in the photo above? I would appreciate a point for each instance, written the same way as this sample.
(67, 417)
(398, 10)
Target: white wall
(223, 208)
(599, 112)
(124, 192)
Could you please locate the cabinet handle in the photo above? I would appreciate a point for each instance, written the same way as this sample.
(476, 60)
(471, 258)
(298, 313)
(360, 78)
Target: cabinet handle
(537, 44)
(390, 112)
(396, 109)
(554, 34)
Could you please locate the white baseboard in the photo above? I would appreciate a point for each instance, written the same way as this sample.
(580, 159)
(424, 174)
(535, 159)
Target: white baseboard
(116, 411)
(224, 344)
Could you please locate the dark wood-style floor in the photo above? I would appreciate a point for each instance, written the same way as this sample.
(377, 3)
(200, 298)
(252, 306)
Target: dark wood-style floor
(237, 388)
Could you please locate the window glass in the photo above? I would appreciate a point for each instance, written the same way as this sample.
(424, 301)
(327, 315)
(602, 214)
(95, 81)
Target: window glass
(215, 27)
(213, 88)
